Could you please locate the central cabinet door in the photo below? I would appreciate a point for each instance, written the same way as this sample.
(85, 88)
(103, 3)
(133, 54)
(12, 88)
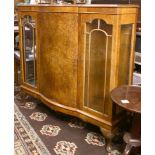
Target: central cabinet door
(58, 57)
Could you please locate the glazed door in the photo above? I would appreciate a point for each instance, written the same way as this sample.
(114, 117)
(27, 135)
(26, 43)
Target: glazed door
(96, 48)
(28, 50)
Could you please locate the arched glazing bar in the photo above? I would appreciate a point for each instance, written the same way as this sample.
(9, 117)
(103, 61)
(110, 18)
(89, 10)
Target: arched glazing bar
(98, 36)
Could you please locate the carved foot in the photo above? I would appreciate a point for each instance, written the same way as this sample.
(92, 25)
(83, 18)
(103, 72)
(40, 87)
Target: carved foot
(22, 97)
(16, 89)
(108, 136)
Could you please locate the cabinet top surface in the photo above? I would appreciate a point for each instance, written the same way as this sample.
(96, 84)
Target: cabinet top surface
(81, 8)
(82, 5)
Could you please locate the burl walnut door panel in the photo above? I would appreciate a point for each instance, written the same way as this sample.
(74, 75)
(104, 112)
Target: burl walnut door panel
(58, 57)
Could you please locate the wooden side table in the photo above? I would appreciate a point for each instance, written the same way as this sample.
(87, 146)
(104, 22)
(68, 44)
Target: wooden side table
(129, 98)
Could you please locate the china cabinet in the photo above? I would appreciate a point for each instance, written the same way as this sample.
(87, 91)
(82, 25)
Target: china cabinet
(72, 56)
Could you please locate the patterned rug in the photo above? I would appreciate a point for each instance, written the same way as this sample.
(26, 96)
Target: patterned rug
(26, 140)
(42, 131)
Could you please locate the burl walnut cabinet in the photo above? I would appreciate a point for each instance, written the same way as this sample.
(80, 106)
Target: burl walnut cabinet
(72, 56)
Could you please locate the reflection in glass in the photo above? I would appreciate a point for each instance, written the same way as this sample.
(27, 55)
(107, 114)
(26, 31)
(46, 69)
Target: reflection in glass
(29, 50)
(98, 38)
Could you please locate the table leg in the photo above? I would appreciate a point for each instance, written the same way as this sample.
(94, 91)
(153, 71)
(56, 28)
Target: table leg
(133, 139)
(127, 149)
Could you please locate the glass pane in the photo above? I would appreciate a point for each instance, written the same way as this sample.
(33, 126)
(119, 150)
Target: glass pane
(124, 56)
(29, 49)
(98, 51)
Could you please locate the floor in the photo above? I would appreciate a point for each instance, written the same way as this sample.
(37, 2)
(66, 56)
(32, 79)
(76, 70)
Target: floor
(56, 133)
